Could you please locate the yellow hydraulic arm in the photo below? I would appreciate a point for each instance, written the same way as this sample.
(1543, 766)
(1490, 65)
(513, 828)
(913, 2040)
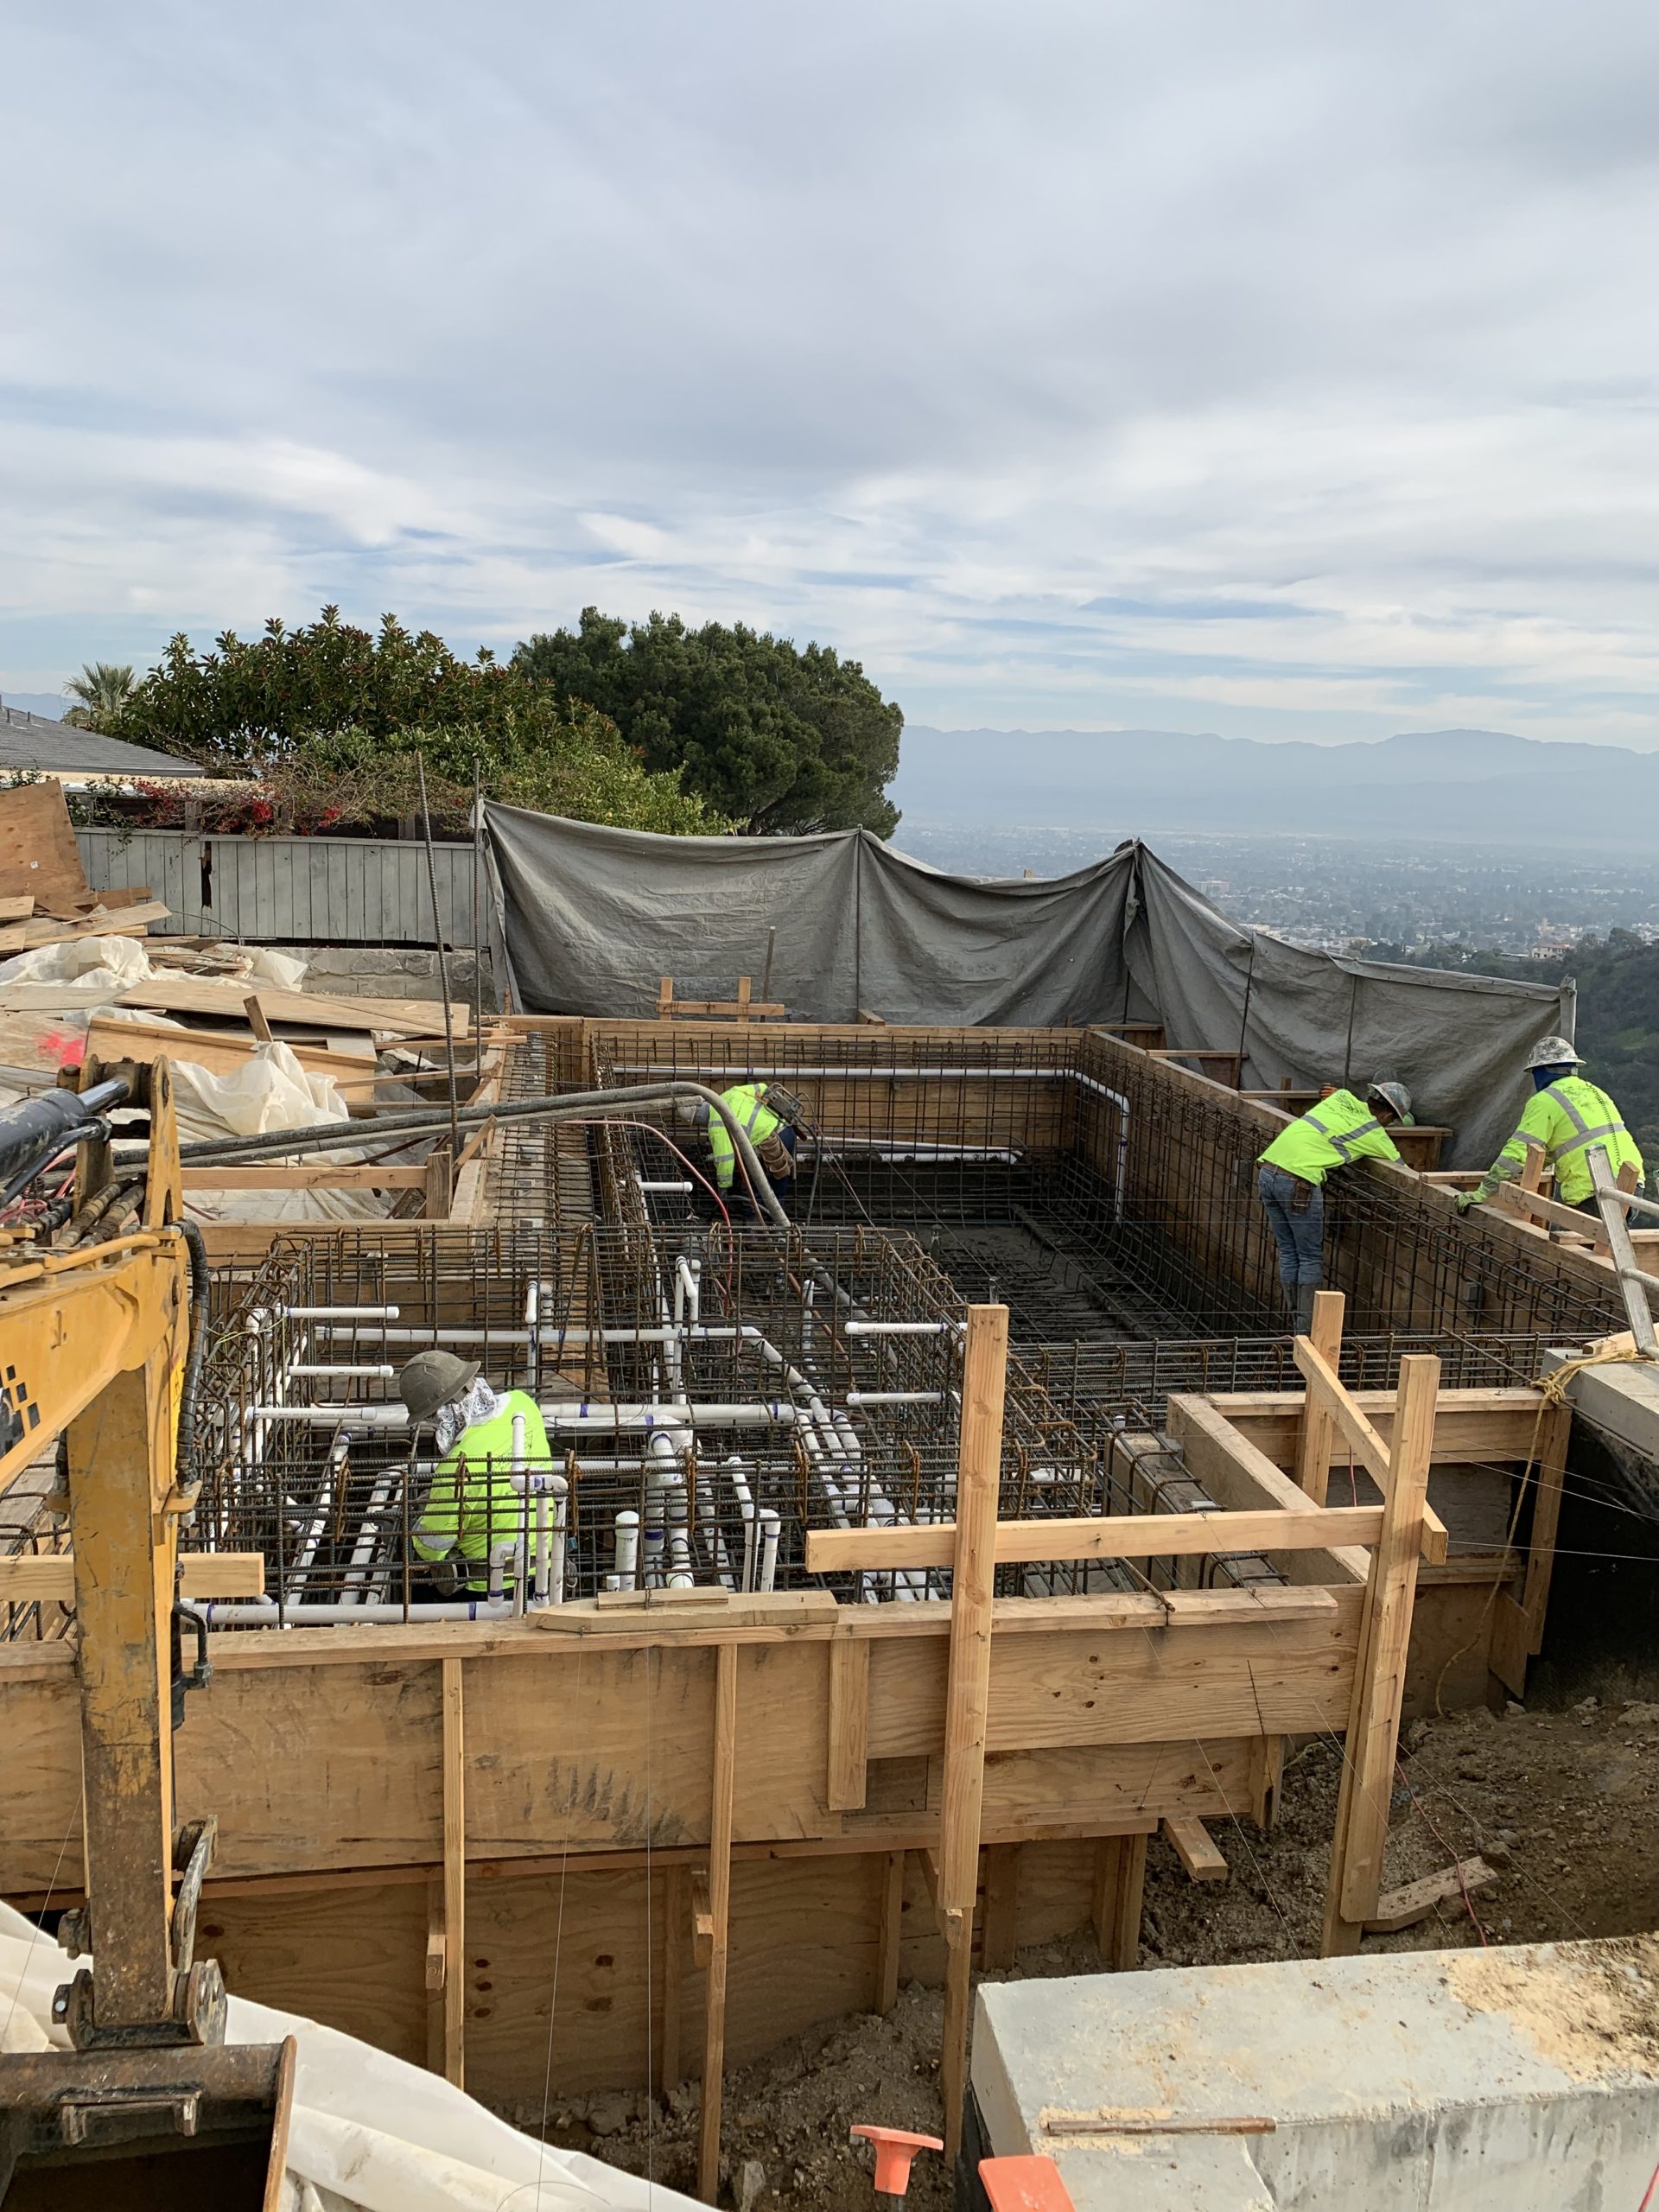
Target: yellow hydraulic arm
(100, 1322)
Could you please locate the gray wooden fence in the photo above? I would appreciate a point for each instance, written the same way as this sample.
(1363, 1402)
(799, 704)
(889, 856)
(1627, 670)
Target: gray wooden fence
(290, 890)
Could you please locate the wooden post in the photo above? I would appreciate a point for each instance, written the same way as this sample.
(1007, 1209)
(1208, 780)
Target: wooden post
(998, 1931)
(257, 1019)
(438, 1965)
(1103, 1908)
(454, 1877)
(979, 1466)
(849, 1723)
(1319, 1423)
(673, 1974)
(1554, 1429)
(436, 1184)
(120, 1471)
(720, 1901)
(1131, 1887)
(891, 1934)
(1370, 1746)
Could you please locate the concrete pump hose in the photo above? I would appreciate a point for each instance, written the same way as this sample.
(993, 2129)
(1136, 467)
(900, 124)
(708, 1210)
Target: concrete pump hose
(589, 1105)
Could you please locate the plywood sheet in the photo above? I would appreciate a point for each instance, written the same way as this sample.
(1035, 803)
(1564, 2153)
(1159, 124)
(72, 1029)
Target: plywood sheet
(37, 841)
(206, 995)
(220, 1050)
(354, 1959)
(119, 921)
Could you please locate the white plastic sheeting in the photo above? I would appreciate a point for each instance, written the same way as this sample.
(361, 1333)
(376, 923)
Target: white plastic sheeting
(591, 917)
(370, 2134)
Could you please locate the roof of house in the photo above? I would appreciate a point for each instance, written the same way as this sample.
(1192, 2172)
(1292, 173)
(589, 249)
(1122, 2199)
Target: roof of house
(58, 748)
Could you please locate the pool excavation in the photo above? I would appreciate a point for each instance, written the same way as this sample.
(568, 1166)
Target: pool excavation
(893, 1576)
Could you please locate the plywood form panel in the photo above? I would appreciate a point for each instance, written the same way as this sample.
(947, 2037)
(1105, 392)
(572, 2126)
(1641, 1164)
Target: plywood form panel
(40, 1803)
(1126, 1685)
(612, 1750)
(308, 1766)
(353, 1959)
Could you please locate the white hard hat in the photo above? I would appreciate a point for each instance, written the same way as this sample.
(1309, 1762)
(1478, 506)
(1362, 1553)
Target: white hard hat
(1552, 1053)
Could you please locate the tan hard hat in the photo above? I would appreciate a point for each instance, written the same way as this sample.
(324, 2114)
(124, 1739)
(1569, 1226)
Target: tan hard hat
(433, 1379)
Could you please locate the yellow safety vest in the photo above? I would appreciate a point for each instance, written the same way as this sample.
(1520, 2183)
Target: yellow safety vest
(745, 1100)
(473, 1504)
(1338, 1129)
(1563, 1120)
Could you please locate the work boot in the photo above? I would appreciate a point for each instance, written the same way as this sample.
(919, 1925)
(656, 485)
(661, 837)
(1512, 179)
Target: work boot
(1305, 1293)
(1290, 1290)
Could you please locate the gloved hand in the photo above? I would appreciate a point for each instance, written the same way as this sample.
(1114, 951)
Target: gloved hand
(1467, 1198)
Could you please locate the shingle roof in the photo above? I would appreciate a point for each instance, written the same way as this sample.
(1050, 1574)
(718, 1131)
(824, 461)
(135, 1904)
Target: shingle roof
(36, 742)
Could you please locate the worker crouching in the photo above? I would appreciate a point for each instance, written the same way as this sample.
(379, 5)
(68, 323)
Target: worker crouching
(1292, 1176)
(473, 1508)
(767, 1115)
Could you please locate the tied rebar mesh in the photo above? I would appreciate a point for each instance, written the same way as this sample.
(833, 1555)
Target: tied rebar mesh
(716, 1390)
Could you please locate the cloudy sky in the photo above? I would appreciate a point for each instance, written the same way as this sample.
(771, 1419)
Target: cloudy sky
(1277, 370)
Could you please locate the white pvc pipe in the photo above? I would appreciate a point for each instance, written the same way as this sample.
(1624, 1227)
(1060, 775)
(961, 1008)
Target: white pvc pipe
(899, 1328)
(339, 1312)
(593, 1413)
(664, 1190)
(262, 1612)
(771, 1527)
(625, 1556)
(895, 1397)
(376, 1373)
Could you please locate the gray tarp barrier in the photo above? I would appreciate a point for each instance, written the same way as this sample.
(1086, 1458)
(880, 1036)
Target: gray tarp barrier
(591, 917)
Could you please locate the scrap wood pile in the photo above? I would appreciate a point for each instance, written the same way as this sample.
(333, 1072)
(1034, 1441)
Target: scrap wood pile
(252, 1050)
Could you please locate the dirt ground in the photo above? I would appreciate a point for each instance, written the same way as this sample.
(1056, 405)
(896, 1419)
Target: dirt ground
(1561, 1803)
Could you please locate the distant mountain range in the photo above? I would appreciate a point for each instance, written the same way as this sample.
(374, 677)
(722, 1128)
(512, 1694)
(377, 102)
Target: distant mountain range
(1480, 785)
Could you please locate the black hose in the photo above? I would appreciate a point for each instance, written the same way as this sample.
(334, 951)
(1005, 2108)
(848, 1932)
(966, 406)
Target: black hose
(587, 1105)
(201, 1283)
(34, 1133)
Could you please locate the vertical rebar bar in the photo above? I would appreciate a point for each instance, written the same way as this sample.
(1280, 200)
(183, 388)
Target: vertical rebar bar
(443, 972)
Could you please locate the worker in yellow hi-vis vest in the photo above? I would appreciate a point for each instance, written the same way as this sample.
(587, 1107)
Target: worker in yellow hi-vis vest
(475, 1505)
(1565, 1117)
(767, 1115)
(1293, 1168)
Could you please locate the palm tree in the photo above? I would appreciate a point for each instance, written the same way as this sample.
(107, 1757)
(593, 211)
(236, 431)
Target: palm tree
(101, 690)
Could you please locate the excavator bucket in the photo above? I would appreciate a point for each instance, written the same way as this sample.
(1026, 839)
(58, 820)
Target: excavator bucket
(139, 2131)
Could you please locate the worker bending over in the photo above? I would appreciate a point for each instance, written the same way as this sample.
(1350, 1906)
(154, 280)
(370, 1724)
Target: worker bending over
(1565, 1116)
(472, 1503)
(768, 1115)
(1291, 1183)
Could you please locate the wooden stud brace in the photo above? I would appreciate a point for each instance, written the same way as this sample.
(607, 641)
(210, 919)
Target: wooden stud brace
(1116, 1535)
(455, 1876)
(849, 1724)
(1370, 1746)
(720, 1899)
(1196, 1848)
(49, 1578)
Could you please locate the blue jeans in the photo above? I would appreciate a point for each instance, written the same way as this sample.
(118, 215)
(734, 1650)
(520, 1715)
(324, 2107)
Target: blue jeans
(1299, 1236)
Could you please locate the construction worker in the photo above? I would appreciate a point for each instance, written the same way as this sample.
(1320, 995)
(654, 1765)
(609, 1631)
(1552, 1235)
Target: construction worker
(1564, 1117)
(1291, 1184)
(767, 1114)
(472, 1505)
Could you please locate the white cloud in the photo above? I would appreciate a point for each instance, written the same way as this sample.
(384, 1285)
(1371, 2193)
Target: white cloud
(1005, 349)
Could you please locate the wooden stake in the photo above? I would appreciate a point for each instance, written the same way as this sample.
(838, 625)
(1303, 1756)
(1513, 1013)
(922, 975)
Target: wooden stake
(849, 1724)
(257, 1019)
(998, 1933)
(1371, 1747)
(1131, 1890)
(720, 1901)
(968, 1681)
(454, 1877)
(1103, 1910)
(673, 1974)
(1318, 1424)
(891, 1932)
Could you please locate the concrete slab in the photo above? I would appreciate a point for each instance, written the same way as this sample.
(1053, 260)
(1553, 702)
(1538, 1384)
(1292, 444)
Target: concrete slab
(1526, 2077)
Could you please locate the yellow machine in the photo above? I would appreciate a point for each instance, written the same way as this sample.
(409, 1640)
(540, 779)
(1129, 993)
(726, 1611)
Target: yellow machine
(101, 1324)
